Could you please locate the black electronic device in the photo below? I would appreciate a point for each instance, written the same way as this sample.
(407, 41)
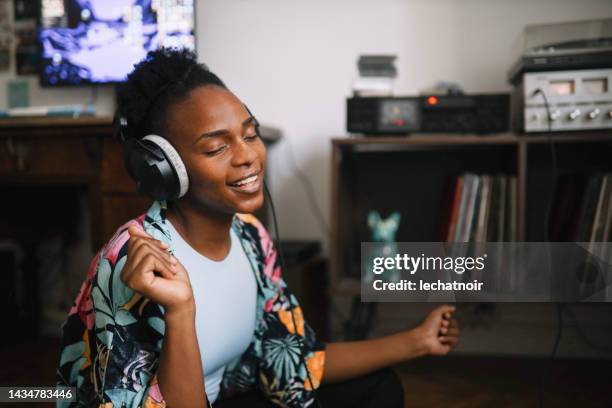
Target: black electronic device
(482, 114)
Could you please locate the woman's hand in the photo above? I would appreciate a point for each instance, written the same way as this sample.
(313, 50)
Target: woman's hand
(151, 271)
(439, 332)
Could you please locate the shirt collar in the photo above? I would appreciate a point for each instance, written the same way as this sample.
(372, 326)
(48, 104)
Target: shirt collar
(155, 222)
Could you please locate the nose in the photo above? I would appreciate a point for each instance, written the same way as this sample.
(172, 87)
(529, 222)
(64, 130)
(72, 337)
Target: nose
(244, 154)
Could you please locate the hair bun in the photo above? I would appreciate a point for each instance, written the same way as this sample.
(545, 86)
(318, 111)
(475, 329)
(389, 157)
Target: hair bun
(163, 77)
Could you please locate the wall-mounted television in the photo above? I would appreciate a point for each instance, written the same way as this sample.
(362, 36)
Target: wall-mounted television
(99, 41)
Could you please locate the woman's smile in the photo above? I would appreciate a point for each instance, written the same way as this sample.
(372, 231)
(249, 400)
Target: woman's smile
(249, 184)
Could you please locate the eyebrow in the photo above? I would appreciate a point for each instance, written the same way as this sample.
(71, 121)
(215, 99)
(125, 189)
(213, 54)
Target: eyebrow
(221, 132)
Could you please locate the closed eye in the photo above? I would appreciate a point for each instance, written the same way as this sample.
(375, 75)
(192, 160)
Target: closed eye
(216, 151)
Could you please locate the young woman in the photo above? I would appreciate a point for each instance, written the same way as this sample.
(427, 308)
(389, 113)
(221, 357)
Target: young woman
(186, 305)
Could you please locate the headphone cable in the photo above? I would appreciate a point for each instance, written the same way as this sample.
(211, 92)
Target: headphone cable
(283, 268)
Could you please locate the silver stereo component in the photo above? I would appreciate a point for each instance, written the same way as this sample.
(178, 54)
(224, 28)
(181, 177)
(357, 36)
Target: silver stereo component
(578, 100)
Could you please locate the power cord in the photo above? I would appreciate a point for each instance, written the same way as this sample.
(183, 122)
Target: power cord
(553, 156)
(559, 306)
(295, 326)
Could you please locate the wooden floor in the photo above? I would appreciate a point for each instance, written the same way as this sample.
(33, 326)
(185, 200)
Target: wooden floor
(466, 381)
(452, 381)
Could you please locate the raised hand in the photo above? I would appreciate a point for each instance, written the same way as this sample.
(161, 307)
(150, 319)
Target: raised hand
(154, 273)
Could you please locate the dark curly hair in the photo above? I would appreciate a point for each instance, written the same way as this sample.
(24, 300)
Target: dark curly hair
(164, 77)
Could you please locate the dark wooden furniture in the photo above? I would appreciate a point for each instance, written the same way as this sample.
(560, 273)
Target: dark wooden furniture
(411, 174)
(81, 153)
(66, 152)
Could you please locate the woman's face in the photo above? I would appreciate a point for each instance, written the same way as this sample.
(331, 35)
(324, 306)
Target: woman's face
(215, 136)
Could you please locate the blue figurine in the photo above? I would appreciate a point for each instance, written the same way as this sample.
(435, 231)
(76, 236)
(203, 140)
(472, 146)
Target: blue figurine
(384, 230)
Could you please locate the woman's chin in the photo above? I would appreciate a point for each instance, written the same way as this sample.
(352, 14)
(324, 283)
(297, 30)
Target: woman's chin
(250, 206)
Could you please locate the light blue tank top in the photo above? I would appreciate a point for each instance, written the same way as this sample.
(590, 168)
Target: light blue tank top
(225, 295)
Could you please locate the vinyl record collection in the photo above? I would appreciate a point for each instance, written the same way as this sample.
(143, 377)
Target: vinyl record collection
(483, 208)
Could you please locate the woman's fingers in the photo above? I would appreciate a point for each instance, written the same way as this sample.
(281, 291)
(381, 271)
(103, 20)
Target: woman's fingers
(453, 331)
(449, 342)
(152, 263)
(146, 260)
(139, 240)
(446, 309)
(450, 328)
(448, 339)
(142, 247)
(137, 232)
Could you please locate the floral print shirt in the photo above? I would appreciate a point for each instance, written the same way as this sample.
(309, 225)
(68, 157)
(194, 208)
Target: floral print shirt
(113, 336)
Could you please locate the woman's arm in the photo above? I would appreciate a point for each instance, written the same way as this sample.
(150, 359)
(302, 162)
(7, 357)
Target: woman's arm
(153, 272)
(436, 335)
(180, 376)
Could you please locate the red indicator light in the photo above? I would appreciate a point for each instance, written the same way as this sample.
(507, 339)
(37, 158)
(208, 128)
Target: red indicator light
(432, 100)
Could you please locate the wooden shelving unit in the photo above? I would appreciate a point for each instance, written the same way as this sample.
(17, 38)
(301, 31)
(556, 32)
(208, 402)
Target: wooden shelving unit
(411, 174)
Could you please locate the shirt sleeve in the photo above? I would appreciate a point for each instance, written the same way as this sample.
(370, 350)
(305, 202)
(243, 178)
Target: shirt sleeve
(114, 363)
(291, 355)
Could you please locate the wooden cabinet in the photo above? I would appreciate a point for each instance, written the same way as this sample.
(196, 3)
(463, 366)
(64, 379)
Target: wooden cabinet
(113, 175)
(72, 152)
(24, 157)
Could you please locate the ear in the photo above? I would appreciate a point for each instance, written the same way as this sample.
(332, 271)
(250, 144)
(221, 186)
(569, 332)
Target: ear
(373, 218)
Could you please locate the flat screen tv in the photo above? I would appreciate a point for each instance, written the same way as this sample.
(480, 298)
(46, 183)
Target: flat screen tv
(99, 41)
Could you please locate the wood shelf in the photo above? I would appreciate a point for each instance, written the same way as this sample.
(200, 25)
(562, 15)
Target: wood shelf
(50, 121)
(473, 139)
(411, 174)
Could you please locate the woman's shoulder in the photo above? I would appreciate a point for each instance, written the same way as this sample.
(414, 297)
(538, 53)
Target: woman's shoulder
(116, 246)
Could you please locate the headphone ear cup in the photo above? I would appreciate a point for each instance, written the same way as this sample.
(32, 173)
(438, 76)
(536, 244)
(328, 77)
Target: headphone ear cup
(180, 178)
(153, 169)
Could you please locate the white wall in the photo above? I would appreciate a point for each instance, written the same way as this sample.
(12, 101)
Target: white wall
(293, 61)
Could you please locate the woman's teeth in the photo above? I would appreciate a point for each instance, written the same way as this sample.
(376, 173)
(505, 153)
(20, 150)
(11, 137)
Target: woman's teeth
(246, 181)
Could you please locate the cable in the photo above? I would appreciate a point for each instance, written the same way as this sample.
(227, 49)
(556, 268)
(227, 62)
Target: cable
(316, 211)
(553, 155)
(559, 306)
(295, 326)
(309, 189)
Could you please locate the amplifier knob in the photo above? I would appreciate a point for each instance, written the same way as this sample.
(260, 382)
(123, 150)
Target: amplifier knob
(554, 115)
(573, 115)
(594, 113)
(535, 117)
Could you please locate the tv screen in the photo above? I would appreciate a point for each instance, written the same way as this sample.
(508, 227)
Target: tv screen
(99, 41)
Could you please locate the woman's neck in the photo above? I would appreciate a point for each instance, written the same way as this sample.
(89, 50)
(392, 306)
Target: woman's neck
(207, 233)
